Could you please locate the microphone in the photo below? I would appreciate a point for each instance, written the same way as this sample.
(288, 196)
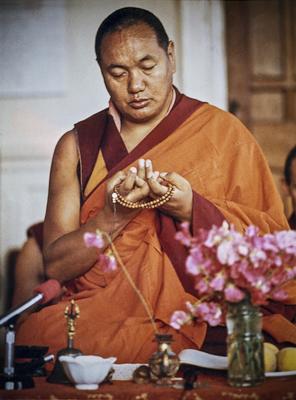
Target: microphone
(45, 292)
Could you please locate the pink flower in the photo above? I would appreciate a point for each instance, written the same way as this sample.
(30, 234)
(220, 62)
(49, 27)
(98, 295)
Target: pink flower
(233, 294)
(243, 249)
(226, 253)
(251, 231)
(190, 307)
(268, 243)
(218, 282)
(178, 319)
(191, 266)
(210, 312)
(107, 262)
(184, 235)
(202, 287)
(279, 295)
(286, 240)
(93, 240)
(256, 256)
(212, 239)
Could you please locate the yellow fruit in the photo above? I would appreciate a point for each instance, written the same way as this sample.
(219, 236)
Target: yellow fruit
(270, 360)
(271, 347)
(287, 359)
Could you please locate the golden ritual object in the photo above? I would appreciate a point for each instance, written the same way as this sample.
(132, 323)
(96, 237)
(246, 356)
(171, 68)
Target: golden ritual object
(58, 375)
(164, 363)
(142, 374)
(71, 314)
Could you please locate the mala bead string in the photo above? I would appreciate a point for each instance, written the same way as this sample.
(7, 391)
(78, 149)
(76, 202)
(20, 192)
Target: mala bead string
(118, 198)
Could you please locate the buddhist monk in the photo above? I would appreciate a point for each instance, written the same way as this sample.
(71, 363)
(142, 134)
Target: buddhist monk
(185, 159)
(290, 183)
(29, 270)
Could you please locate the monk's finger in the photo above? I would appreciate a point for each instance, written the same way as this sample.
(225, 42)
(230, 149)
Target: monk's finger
(175, 179)
(156, 187)
(117, 179)
(156, 175)
(138, 194)
(140, 182)
(141, 168)
(129, 182)
(149, 169)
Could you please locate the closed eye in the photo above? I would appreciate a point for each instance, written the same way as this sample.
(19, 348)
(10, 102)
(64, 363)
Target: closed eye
(148, 67)
(117, 72)
(118, 75)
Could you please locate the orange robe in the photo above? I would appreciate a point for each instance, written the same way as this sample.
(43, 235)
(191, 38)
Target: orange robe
(224, 165)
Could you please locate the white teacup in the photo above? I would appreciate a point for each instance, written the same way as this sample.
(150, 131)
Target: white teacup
(86, 372)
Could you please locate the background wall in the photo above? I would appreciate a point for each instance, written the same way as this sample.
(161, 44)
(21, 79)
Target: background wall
(50, 80)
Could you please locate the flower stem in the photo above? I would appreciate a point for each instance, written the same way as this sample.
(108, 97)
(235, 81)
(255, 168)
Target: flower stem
(132, 283)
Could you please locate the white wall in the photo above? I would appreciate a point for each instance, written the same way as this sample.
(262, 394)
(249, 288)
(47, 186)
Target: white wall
(59, 84)
(202, 49)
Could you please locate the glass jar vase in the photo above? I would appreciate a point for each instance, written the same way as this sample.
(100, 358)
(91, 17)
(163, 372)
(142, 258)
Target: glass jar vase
(244, 344)
(164, 363)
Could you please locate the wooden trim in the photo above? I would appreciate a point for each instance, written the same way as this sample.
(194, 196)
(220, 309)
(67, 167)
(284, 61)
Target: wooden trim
(238, 58)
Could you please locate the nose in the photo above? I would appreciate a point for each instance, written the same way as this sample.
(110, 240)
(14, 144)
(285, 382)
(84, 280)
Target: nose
(136, 82)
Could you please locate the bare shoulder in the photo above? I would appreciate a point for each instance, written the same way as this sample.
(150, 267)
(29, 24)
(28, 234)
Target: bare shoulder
(66, 148)
(64, 162)
(63, 204)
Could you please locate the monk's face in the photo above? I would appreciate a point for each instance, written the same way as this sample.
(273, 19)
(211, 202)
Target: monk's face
(292, 187)
(138, 73)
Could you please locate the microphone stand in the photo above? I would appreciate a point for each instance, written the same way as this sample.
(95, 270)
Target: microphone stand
(9, 380)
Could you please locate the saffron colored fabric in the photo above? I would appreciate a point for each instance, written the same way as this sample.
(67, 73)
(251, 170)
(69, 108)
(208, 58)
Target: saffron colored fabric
(230, 179)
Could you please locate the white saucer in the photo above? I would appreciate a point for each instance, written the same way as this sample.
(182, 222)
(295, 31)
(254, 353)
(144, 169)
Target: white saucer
(87, 386)
(278, 374)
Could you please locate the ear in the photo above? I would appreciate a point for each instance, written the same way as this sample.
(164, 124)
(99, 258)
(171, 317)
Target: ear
(171, 55)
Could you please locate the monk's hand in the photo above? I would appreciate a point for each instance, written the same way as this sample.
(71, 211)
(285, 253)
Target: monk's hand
(129, 185)
(180, 204)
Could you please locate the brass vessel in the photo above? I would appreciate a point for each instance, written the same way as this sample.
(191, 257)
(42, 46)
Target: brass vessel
(164, 363)
(58, 375)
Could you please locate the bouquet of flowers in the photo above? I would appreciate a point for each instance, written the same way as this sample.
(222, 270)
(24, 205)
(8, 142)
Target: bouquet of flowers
(228, 266)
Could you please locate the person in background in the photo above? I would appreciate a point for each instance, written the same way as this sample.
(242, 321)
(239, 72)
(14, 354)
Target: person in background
(185, 159)
(290, 183)
(29, 270)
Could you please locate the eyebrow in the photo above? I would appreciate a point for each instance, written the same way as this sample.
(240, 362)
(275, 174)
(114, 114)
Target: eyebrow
(147, 58)
(111, 66)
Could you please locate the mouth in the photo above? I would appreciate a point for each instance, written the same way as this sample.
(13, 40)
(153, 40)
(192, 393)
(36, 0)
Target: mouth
(139, 103)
